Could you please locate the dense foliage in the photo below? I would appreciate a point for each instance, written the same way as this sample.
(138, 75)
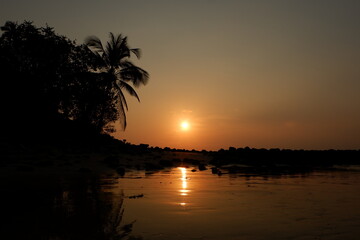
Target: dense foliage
(52, 86)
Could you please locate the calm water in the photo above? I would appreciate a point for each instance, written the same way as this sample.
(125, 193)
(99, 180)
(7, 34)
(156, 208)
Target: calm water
(180, 204)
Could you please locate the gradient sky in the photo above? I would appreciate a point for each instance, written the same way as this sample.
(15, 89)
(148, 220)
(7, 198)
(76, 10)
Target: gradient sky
(264, 74)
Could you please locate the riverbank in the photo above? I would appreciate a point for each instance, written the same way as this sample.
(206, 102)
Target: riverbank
(114, 159)
(106, 156)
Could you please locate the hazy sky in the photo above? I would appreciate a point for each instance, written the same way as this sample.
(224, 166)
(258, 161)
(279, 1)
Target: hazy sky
(253, 73)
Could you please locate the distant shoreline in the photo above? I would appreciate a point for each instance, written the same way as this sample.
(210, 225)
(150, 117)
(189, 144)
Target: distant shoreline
(114, 157)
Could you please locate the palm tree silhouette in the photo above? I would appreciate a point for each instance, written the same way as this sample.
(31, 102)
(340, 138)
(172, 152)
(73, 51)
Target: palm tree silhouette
(117, 71)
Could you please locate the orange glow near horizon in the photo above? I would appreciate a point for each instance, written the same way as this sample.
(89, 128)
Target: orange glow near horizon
(250, 98)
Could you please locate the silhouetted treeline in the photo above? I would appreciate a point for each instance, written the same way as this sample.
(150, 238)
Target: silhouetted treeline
(272, 157)
(53, 88)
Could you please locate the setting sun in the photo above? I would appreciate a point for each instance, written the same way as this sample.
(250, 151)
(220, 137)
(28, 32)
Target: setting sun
(185, 126)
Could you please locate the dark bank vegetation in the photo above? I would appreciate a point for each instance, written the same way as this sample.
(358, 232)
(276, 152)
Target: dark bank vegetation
(53, 89)
(281, 161)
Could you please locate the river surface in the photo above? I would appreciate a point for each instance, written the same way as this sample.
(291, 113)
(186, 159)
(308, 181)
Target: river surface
(181, 204)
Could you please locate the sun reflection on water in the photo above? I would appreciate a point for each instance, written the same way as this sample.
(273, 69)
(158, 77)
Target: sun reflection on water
(184, 191)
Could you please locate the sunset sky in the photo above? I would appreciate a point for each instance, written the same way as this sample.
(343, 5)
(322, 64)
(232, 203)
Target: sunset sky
(264, 74)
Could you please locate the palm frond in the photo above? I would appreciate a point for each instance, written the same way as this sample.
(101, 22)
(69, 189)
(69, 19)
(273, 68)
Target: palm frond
(120, 40)
(115, 49)
(129, 89)
(137, 52)
(95, 43)
(122, 116)
(124, 50)
(121, 96)
(125, 63)
(112, 38)
(134, 74)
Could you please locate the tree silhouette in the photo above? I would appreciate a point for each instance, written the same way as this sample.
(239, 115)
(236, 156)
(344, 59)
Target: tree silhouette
(38, 67)
(117, 72)
(52, 87)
